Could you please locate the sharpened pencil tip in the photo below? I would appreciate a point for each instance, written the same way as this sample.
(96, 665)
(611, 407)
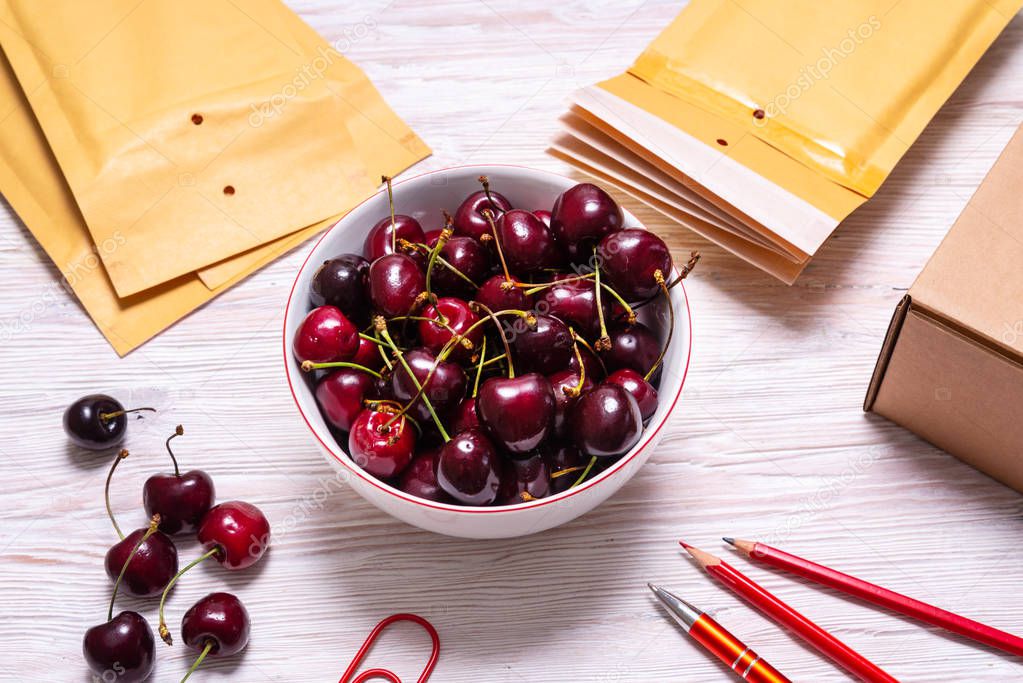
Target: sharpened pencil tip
(728, 539)
(684, 545)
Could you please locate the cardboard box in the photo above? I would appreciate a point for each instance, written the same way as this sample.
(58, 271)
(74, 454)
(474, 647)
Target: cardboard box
(951, 367)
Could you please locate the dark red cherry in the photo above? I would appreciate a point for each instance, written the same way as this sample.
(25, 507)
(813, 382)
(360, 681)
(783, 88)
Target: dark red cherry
(469, 219)
(468, 468)
(456, 315)
(498, 294)
(582, 216)
(559, 457)
(635, 347)
(630, 258)
(545, 347)
(368, 355)
(326, 335)
(219, 620)
(122, 649)
(523, 480)
(527, 243)
(380, 444)
(238, 530)
(606, 422)
(544, 215)
(641, 390)
(342, 281)
(395, 280)
(468, 257)
(420, 478)
(181, 500)
(154, 564)
(445, 388)
(565, 384)
(340, 396)
(517, 412)
(575, 302)
(378, 241)
(464, 416)
(594, 370)
(96, 421)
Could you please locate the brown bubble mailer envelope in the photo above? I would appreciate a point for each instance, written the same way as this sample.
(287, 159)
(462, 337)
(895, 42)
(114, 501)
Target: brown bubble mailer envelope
(369, 140)
(951, 367)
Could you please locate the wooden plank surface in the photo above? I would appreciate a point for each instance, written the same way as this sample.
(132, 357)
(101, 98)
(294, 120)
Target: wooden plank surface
(768, 441)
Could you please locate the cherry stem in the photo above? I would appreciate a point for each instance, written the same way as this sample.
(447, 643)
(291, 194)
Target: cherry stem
(485, 182)
(154, 523)
(659, 276)
(106, 490)
(370, 338)
(581, 340)
(604, 343)
(390, 203)
(198, 660)
(164, 631)
(578, 388)
(489, 215)
(535, 287)
(178, 431)
(381, 325)
(629, 313)
(442, 239)
(567, 470)
(593, 461)
(479, 368)
(309, 366)
(106, 417)
(504, 339)
(694, 257)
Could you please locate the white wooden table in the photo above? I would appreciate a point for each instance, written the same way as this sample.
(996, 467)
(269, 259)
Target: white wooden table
(768, 441)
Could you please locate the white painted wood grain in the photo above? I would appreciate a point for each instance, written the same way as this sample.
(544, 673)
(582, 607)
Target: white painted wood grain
(768, 441)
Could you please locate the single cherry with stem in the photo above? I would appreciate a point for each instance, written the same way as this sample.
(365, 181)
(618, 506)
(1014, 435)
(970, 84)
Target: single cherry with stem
(582, 216)
(516, 411)
(527, 243)
(544, 347)
(382, 441)
(123, 645)
(468, 468)
(451, 318)
(606, 422)
(341, 393)
(469, 220)
(97, 421)
(383, 238)
(395, 284)
(181, 500)
(153, 556)
(235, 533)
(217, 625)
(629, 259)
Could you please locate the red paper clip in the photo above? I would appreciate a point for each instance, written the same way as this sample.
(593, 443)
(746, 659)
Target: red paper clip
(384, 673)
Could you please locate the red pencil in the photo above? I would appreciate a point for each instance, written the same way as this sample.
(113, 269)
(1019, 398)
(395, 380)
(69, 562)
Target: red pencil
(824, 642)
(870, 592)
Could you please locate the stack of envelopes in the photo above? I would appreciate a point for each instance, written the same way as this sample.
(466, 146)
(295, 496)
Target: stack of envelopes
(162, 151)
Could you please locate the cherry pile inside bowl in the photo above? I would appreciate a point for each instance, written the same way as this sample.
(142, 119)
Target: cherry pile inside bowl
(144, 563)
(496, 360)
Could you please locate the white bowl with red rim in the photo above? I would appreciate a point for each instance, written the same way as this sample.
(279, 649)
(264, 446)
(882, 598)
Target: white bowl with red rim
(423, 197)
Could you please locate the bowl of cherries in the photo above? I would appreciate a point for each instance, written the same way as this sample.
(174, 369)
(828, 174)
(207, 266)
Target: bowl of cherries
(493, 371)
